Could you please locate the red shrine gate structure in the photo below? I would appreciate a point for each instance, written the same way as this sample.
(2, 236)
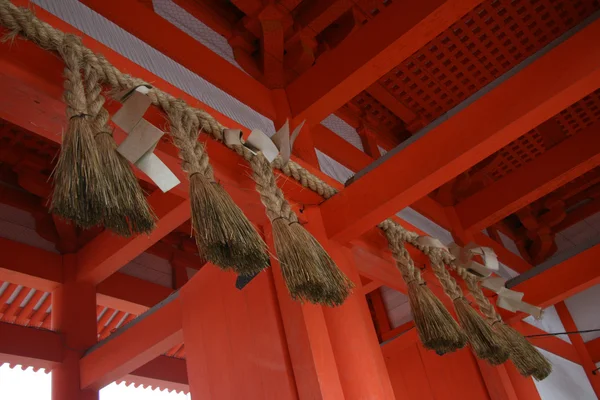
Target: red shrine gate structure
(482, 117)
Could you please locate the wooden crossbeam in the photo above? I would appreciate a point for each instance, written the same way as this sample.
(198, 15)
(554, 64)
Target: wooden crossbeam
(133, 345)
(29, 346)
(470, 132)
(42, 270)
(400, 30)
(187, 51)
(562, 163)
(561, 281)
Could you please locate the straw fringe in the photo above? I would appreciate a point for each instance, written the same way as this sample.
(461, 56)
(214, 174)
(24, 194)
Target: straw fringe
(484, 342)
(436, 328)
(223, 234)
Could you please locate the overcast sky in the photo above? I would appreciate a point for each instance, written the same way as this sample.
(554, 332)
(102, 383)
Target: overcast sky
(16, 384)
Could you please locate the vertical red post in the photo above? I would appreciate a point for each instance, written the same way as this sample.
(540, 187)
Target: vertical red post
(234, 342)
(74, 316)
(360, 362)
(524, 387)
(586, 360)
(369, 141)
(496, 379)
(311, 354)
(381, 316)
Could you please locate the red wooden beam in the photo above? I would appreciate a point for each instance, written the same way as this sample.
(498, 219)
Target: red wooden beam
(586, 360)
(29, 346)
(382, 95)
(42, 270)
(561, 281)
(107, 253)
(162, 372)
(203, 12)
(29, 266)
(137, 344)
(593, 347)
(557, 166)
(185, 50)
(400, 30)
(469, 134)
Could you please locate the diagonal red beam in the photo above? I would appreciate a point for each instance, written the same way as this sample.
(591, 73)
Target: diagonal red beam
(561, 281)
(557, 166)
(165, 37)
(469, 133)
(136, 344)
(396, 33)
(107, 253)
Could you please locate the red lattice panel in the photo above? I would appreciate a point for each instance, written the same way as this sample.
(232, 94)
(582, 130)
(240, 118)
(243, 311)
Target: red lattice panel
(372, 8)
(375, 111)
(483, 45)
(580, 115)
(519, 152)
(572, 120)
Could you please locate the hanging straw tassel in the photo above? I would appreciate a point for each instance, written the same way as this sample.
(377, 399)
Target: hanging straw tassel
(79, 186)
(223, 234)
(528, 360)
(126, 212)
(437, 329)
(484, 342)
(309, 272)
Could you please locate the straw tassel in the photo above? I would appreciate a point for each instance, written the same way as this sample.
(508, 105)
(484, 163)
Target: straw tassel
(127, 212)
(309, 272)
(436, 328)
(528, 360)
(223, 234)
(484, 342)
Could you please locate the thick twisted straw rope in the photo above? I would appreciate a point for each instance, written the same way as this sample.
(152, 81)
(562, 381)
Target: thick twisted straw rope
(22, 21)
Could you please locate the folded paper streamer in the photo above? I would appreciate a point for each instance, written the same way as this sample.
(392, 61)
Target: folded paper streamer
(280, 143)
(508, 299)
(464, 256)
(142, 138)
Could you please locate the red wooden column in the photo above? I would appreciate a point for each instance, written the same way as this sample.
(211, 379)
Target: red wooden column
(524, 387)
(74, 316)
(360, 362)
(369, 141)
(311, 354)
(496, 378)
(582, 351)
(234, 342)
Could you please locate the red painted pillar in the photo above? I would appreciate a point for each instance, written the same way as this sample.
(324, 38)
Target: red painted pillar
(368, 137)
(234, 342)
(524, 387)
(74, 316)
(311, 354)
(360, 362)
